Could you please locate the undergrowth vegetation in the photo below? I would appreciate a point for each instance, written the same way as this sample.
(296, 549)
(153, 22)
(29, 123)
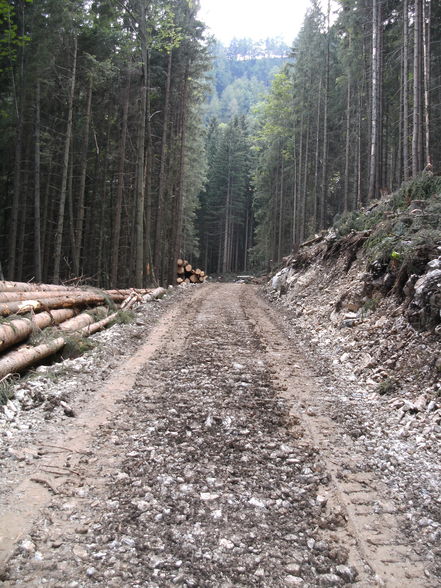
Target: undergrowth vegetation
(76, 345)
(6, 389)
(124, 317)
(405, 227)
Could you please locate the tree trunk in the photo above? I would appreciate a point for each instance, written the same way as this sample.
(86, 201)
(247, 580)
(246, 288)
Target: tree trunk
(116, 231)
(63, 191)
(227, 235)
(84, 319)
(13, 232)
(140, 160)
(82, 187)
(303, 226)
(18, 330)
(324, 190)
(301, 209)
(17, 361)
(347, 205)
(426, 75)
(18, 97)
(37, 195)
(179, 196)
(30, 287)
(359, 198)
(159, 235)
(22, 307)
(37, 295)
(375, 101)
(280, 223)
(315, 203)
(417, 135)
(405, 90)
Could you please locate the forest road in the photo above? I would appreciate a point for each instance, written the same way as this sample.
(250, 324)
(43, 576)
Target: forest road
(202, 464)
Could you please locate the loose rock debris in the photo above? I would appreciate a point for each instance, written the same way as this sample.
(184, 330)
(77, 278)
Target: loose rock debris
(204, 476)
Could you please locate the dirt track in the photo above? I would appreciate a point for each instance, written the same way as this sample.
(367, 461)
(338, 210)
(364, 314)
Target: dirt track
(208, 459)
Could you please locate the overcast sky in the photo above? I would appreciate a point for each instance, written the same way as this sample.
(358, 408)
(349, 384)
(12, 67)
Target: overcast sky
(257, 19)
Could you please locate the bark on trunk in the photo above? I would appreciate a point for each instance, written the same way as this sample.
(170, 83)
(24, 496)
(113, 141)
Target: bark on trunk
(18, 330)
(84, 319)
(324, 190)
(64, 179)
(116, 231)
(31, 287)
(37, 195)
(18, 296)
(426, 74)
(78, 233)
(17, 361)
(375, 97)
(22, 307)
(417, 135)
(159, 237)
(140, 184)
(405, 90)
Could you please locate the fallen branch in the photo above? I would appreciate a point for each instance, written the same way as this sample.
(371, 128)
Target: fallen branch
(45, 483)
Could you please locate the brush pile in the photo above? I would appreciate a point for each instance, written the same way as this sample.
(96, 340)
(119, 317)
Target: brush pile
(187, 275)
(36, 320)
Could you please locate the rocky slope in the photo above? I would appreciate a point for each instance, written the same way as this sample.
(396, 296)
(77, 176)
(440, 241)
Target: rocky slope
(373, 298)
(366, 305)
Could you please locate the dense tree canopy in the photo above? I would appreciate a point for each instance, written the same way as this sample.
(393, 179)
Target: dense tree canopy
(352, 116)
(119, 153)
(102, 101)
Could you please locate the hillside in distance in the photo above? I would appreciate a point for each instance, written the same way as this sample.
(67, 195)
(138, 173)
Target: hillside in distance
(242, 73)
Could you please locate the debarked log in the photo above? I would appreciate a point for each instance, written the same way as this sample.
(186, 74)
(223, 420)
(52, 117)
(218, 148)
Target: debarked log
(24, 357)
(18, 330)
(31, 287)
(18, 296)
(24, 306)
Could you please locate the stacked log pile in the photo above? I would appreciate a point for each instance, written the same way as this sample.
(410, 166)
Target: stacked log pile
(27, 309)
(187, 275)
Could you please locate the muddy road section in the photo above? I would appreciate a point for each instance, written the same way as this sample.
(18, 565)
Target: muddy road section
(202, 463)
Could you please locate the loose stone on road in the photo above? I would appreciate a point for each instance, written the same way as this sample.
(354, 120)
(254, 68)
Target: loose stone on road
(210, 473)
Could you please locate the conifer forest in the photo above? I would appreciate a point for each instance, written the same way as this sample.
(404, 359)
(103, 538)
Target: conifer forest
(129, 137)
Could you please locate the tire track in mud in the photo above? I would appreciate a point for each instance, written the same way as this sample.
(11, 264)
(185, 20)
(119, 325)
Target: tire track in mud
(374, 530)
(208, 475)
(18, 510)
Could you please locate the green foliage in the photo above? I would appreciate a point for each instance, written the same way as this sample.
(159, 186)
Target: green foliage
(226, 200)
(76, 345)
(313, 142)
(400, 236)
(423, 187)
(43, 336)
(10, 36)
(125, 317)
(370, 305)
(106, 42)
(357, 221)
(6, 389)
(387, 386)
(242, 74)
